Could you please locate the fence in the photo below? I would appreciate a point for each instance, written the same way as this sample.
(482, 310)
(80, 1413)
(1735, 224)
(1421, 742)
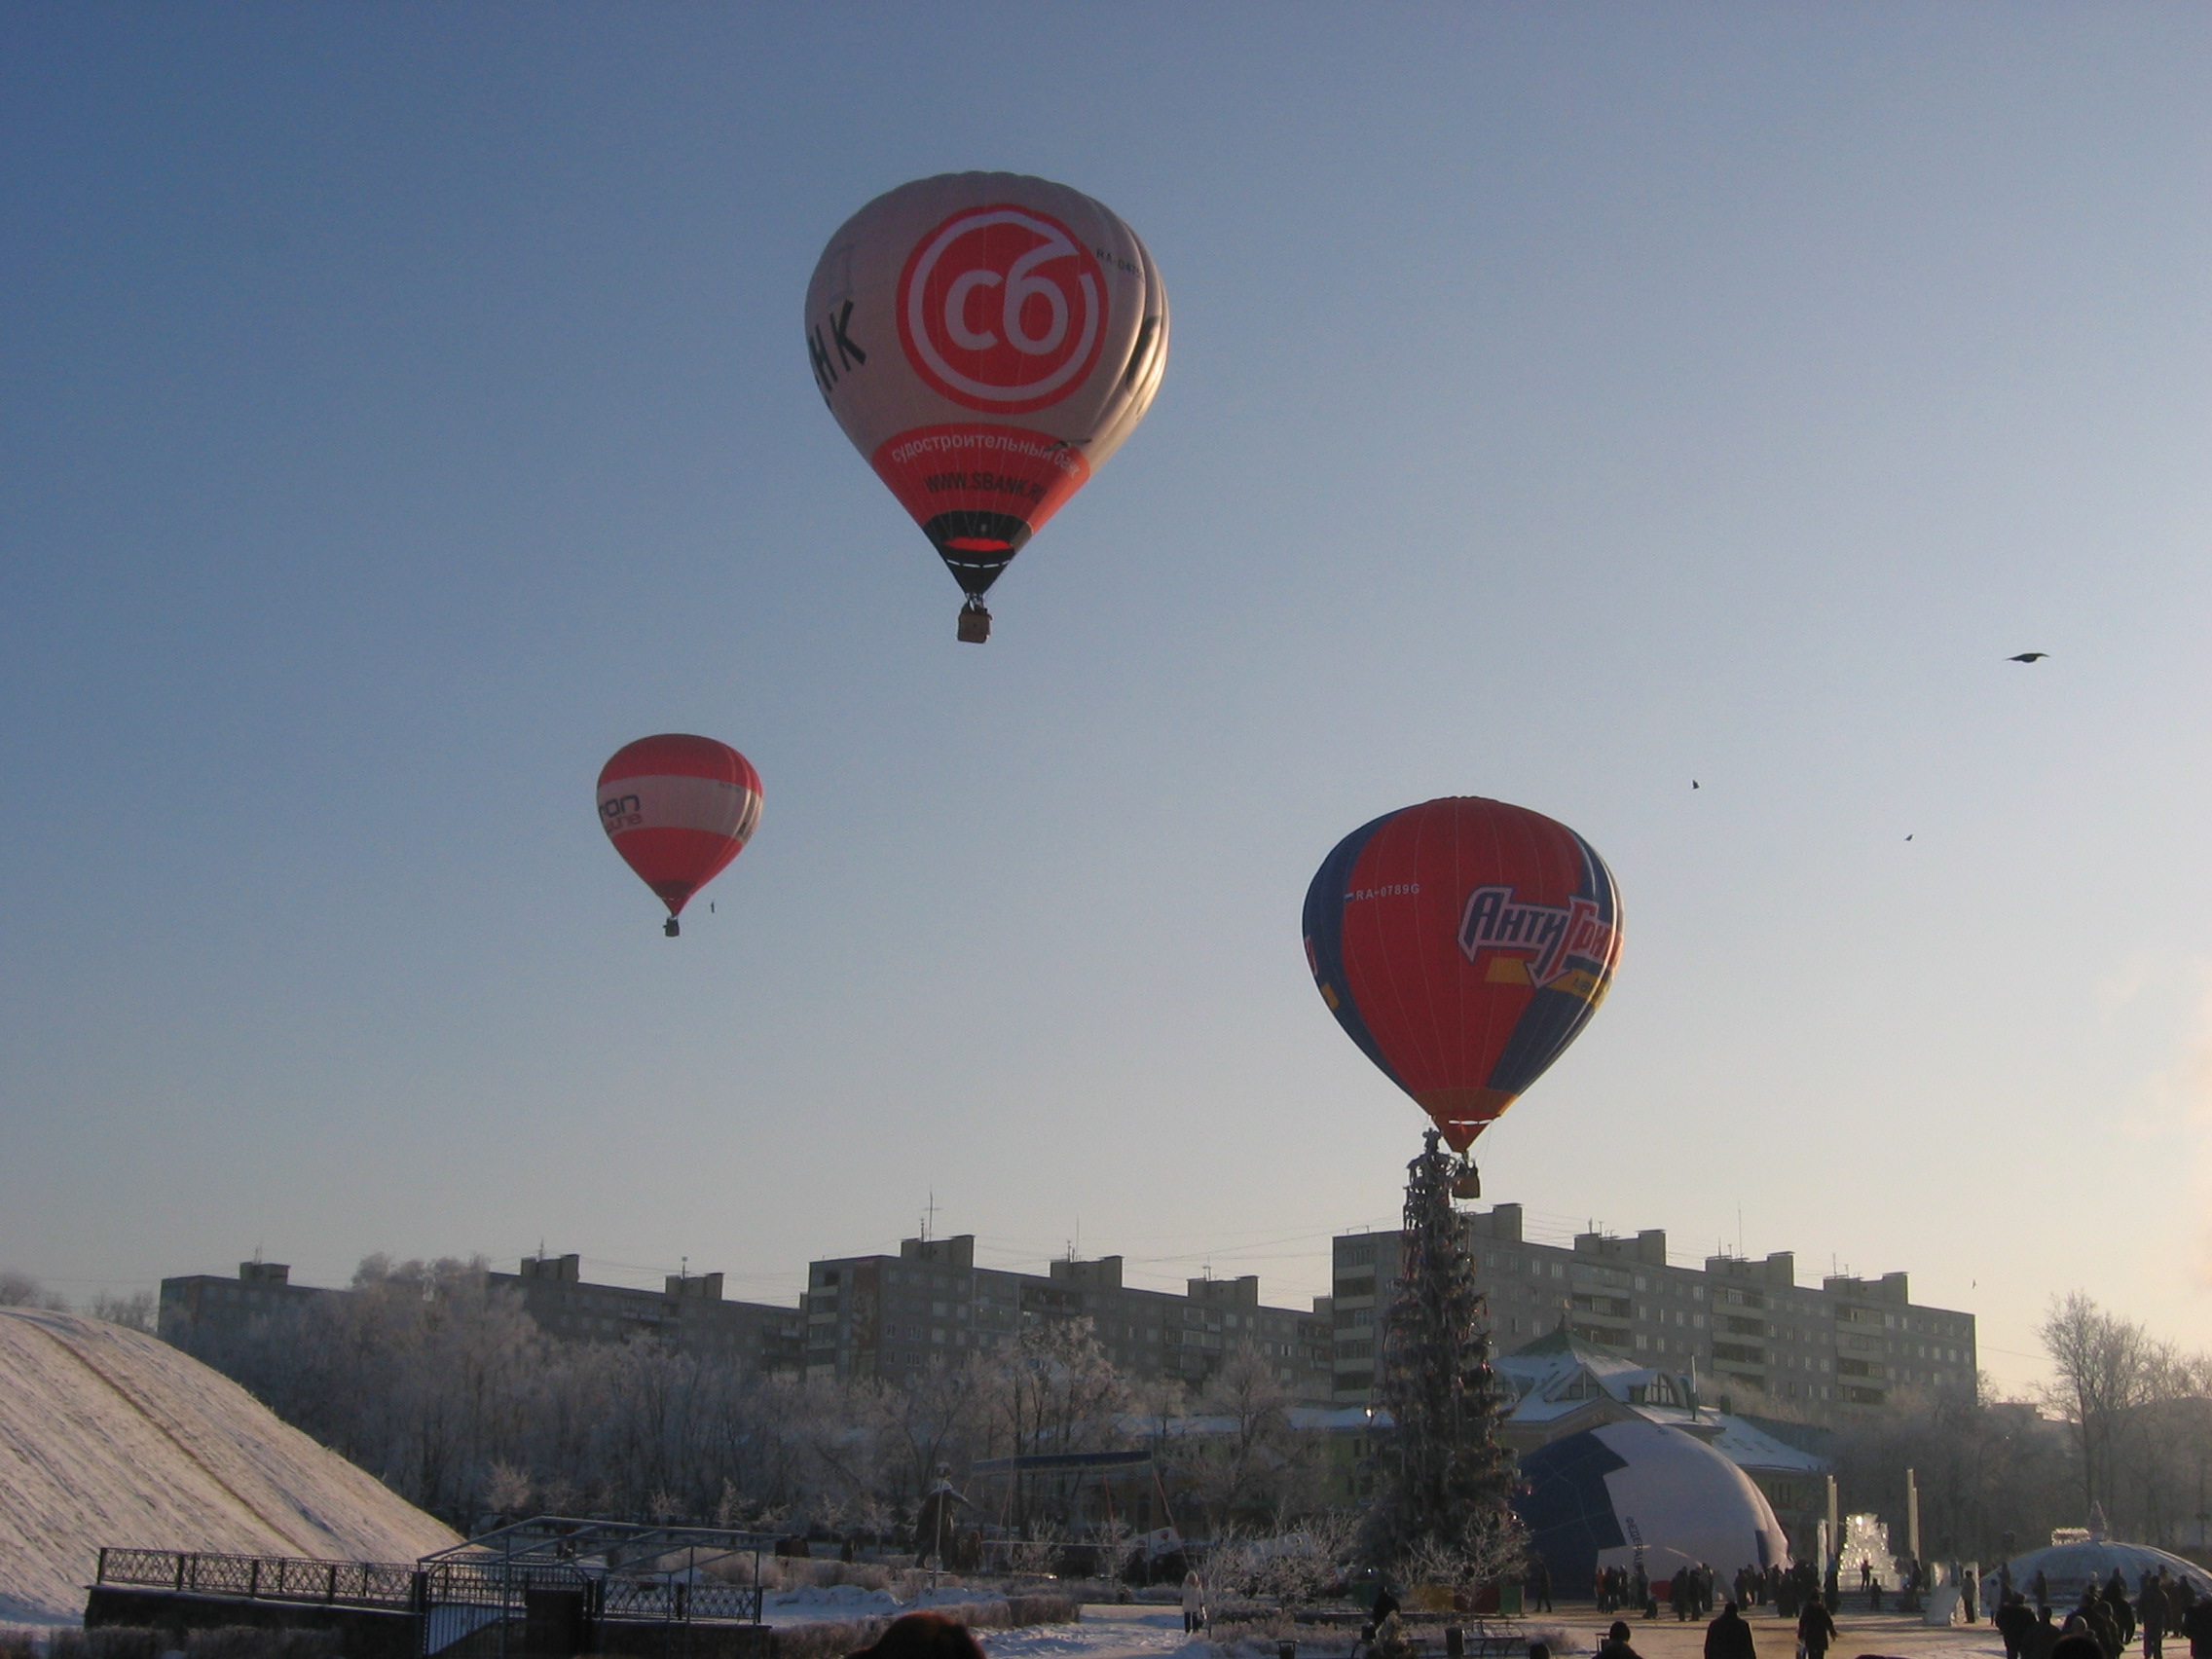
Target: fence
(494, 1590)
(263, 1578)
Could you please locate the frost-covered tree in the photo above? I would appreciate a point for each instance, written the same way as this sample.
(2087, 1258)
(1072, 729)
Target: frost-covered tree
(1249, 1465)
(20, 1290)
(1442, 1476)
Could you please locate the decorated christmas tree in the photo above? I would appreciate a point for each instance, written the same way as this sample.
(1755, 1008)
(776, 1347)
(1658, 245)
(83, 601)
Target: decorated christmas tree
(1443, 1479)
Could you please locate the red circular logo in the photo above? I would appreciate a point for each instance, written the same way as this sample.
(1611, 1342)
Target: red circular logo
(1002, 308)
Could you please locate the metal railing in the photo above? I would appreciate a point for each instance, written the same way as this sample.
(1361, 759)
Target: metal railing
(263, 1579)
(496, 1584)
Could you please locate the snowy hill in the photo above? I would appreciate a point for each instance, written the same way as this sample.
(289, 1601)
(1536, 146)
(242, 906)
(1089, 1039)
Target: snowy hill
(111, 1437)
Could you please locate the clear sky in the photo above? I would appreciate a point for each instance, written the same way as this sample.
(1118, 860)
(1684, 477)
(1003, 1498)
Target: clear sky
(406, 405)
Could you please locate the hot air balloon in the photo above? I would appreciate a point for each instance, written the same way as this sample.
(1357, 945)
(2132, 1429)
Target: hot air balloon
(678, 808)
(1462, 943)
(986, 341)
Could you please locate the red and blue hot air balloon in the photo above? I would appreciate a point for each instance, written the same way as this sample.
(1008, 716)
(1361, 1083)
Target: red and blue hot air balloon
(678, 808)
(1462, 943)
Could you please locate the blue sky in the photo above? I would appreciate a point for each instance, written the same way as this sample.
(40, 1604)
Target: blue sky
(406, 407)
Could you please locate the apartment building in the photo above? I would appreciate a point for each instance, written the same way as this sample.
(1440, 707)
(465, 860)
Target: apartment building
(1735, 1326)
(892, 1315)
(205, 1313)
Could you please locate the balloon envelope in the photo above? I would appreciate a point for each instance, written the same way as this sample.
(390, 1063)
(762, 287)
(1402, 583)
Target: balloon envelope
(986, 341)
(1462, 945)
(678, 808)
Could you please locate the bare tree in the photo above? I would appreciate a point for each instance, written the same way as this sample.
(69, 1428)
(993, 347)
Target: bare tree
(2104, 1366)
(1247, 1462)
(135, 1312)
(1053, 1389)
(20, 1290)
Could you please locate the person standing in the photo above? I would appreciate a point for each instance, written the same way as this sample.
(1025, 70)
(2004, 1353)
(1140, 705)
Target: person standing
(1541, 1586)
(2151, 1613)
(1195, 1603)
(1816, 1628)
(2196, 1625)
(2117, 1608)
(1728, 1636)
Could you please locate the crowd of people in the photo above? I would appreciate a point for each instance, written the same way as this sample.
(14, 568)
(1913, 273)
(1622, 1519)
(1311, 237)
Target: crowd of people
(2103, 1626)
(1690, 1593)
(2164, 1605)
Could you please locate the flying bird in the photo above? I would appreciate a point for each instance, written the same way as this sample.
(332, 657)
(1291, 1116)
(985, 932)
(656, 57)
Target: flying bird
(2029, 656)
(1908, 838)
(1693, 782)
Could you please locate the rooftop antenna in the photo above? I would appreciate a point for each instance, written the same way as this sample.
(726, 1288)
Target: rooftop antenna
(1740, 1231)
(929, 1217)
(683, 1271)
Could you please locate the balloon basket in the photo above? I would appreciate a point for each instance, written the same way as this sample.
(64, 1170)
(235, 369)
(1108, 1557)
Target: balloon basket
(974, 624)
(1467, 1182)
(669, 927)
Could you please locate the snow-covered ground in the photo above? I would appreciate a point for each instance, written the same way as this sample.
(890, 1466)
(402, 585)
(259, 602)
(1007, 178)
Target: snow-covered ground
(1105, 1633)
(1152, 1633)
(851, 1602)
(108, 1436)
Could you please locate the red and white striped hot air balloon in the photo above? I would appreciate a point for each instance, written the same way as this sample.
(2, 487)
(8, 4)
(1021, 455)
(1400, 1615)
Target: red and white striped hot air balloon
(986, 341)
(678, 808)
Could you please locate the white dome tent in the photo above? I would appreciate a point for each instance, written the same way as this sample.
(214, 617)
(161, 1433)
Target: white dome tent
(1630, 1492)
(2069, 1568)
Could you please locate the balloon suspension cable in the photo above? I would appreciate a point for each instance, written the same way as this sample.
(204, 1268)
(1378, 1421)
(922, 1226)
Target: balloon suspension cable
(670, 929)
(975, 621)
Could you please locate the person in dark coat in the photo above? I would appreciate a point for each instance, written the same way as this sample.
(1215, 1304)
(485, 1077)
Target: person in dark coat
(1540, 1587)
(1816, 1628)
(2014, 1621)
(1728, 1636)
(1386, 1603)
(1678, 1593)
(2117, 1608)
(1616, 1642)
(2151, 1610)
(2098, 1620)
(2196, 1625)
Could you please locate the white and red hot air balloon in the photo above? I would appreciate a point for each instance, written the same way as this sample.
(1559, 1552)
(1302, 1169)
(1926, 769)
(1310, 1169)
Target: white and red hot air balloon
(986, 341)
(678, 808)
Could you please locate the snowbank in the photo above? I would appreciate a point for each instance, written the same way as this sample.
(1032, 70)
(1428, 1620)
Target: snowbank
(108, 1436)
